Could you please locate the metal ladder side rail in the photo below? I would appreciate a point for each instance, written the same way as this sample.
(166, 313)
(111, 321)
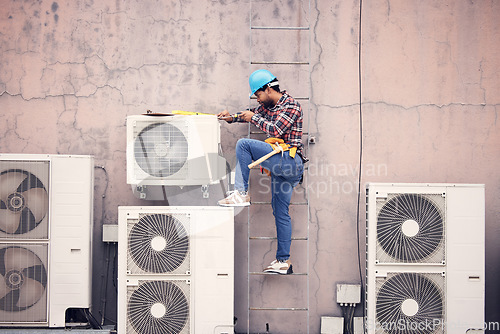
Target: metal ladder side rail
(306, 203)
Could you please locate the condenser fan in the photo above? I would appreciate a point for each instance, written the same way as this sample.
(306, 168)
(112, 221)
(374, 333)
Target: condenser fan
(410, 227)
(409, 303)
(158, 243)
(24, 201)
(158, 307)
(161, 149)
(24, 279)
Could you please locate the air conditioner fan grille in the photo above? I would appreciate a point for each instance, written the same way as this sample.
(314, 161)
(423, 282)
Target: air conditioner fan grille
(409, 303)
(161, 149)
(158, 307)
(158, 243)
(23, 279)
(410, 228)
(24, 201)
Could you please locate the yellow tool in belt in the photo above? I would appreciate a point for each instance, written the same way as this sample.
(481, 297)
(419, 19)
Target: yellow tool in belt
(281, 142)
(278, 145)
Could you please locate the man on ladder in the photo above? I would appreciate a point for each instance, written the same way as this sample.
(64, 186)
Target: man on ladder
(280, 117)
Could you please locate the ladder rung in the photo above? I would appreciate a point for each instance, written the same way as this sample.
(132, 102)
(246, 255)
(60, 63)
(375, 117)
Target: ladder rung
(279, 63)
(278, 309)
(255, 273)
(267, 203)
(278, 28)
(275, 238)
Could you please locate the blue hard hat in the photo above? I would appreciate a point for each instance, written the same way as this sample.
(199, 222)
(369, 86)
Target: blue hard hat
(259, 79)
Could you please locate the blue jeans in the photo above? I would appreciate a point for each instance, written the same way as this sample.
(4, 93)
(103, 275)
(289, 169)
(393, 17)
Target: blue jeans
(285, 175)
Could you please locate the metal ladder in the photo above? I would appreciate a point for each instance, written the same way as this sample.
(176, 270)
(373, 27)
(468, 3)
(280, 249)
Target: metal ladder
(298, 282)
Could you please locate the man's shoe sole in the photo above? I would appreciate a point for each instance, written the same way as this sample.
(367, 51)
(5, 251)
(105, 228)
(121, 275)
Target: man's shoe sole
(236, 204)
(280, 272)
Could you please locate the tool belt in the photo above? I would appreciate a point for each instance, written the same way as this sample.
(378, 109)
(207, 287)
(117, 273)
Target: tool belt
(280, 142)
(285, 147)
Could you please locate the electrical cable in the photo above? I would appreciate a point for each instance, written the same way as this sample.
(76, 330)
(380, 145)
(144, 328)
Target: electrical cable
(351, 318)
(91, 319)
(348, 314)
(360, 149)
(104, 276)
(105, 285)
(115, 275)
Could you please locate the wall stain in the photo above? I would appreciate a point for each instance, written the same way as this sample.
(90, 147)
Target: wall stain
(54, 8)
(27, 27)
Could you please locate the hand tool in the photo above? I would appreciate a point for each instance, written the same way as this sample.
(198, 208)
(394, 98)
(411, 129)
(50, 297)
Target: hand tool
(277, 149)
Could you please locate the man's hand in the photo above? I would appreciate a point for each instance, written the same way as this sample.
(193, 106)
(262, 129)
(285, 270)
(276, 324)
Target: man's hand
(225, 116)
(246, 115)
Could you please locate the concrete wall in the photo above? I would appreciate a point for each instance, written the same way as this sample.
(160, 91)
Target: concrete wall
(70, 72)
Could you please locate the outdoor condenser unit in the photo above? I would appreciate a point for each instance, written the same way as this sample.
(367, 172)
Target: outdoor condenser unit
(175, 270)
(46, 206)
(175, 150)
(425, 258)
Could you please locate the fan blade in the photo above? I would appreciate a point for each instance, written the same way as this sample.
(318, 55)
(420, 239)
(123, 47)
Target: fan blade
(30, 293)
(172, 256)
(177, 153)
(9, 182)
(161, 149)
(4, 289)
(37, 200)
(20, 258)
(9, 221)
(176, 142)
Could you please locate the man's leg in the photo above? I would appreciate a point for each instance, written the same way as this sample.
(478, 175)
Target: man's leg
(247, 150)
(281, 196)
(286, 174)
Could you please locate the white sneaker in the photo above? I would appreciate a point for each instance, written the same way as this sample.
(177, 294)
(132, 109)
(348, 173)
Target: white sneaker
(280, 267)
(235, 198)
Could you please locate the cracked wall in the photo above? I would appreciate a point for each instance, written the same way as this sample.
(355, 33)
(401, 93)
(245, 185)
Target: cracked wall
(71, 72)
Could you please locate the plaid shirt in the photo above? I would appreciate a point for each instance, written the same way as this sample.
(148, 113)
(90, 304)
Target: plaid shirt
(284, 120)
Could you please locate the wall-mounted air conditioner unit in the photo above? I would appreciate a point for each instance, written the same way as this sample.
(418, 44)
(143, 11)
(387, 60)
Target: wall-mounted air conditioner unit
(425, 258)
(46, 206)
(175, 270)
(177, 150)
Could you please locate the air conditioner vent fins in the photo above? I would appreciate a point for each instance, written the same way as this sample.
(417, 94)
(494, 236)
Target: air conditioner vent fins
(161, 149)
(158, 307)
(410, 303)
(158, 243)
(23, 281)
(24, 201)
(410, 227)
